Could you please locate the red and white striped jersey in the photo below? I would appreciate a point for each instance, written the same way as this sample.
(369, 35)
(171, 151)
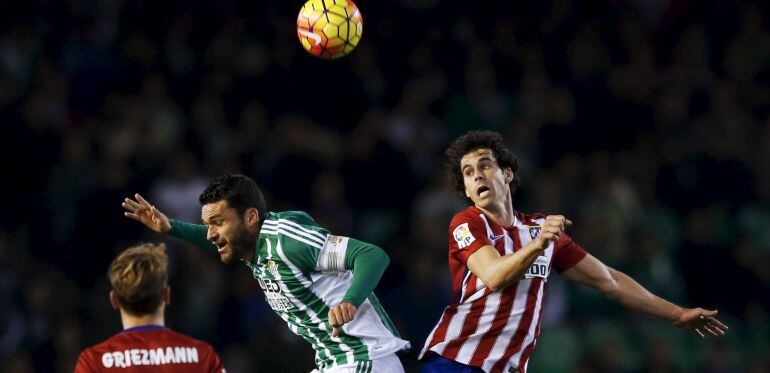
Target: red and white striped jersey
(496, 330)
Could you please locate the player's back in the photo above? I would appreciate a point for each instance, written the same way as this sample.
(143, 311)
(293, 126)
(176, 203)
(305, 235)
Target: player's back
(149, 348)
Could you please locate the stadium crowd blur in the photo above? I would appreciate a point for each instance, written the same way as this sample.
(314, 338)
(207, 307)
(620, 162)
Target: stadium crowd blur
(645, 122)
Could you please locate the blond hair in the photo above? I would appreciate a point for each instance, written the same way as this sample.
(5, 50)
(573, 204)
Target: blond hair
(138, 277)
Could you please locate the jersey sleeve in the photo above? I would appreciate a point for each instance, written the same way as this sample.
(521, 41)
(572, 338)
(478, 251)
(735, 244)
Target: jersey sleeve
(467, 234)
(192, 233)
(567, 253)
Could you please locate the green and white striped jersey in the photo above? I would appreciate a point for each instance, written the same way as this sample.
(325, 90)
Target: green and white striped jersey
(301, 269)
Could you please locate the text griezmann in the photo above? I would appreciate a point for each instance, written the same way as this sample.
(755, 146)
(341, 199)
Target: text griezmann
(158, 356)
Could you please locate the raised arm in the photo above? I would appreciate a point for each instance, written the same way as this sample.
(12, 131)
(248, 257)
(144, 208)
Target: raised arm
(498, 272)
(146, 213)
(622, 288)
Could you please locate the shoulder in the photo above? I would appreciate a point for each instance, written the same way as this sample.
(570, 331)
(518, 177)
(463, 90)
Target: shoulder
(469, 215)
(299, 217)
(190, 341)
(90, 358)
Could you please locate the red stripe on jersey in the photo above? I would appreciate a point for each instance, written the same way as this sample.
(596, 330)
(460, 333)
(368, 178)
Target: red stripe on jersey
(514, 345)
(470, 324)
(498, 324)
(443, 326)
(531, 346)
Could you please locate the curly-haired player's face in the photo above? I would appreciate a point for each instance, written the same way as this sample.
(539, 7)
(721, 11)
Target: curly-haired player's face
(485, 182)
(226, 229)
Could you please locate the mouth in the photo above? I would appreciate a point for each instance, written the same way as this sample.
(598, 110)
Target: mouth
(221, 245)
(482, 191)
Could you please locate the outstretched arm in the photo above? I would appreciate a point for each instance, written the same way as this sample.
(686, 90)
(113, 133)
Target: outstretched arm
(145, 213)
(622, 288)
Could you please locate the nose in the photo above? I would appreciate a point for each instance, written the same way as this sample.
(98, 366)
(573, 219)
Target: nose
(211, 233)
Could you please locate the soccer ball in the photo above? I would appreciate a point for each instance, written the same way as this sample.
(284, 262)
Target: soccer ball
(329, 28)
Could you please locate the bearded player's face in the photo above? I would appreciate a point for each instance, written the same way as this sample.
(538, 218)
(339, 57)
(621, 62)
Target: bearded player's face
(226, 230)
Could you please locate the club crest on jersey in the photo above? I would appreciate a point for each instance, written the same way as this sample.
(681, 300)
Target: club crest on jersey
(272, 268)
(534, 232)
(463, 236)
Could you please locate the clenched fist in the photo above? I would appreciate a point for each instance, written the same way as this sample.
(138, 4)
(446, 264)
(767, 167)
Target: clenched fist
(551, 230)
(341, 314)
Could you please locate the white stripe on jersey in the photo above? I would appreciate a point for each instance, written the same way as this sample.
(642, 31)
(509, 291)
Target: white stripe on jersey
(455, 326)
(464, 285)
(316, 236)
(313, 316)
(485, 323)
(532, 327)
(282, 230)
(514, 318)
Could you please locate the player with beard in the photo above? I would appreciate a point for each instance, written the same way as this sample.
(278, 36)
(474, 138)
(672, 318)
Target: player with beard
(500, 259)
(319, 284)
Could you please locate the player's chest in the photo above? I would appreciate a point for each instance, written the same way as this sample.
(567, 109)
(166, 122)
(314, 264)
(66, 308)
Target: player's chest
(511, 240)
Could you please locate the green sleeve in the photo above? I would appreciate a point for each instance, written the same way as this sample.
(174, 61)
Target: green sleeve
(192, 233)
(368, 263)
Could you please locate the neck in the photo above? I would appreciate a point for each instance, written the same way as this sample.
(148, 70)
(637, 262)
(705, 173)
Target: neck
(131, 321)
(500, 212)
(248, 255)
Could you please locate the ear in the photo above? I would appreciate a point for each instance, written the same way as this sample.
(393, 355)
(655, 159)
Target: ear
(467, 194)
(114, 300)
(508, 173)
(166, 296)
(252, 216)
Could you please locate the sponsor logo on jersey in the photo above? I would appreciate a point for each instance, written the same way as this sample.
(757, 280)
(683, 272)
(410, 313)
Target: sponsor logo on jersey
(539, 268)
(274, 295)
(463, 236)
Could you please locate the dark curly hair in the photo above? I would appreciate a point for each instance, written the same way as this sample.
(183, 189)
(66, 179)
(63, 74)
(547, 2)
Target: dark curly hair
(240, 192)
(475, 140)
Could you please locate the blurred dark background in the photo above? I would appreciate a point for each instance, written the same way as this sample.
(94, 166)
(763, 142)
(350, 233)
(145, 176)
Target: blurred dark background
(645, 122)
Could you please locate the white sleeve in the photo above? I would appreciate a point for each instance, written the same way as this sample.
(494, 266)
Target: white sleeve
(332, 255)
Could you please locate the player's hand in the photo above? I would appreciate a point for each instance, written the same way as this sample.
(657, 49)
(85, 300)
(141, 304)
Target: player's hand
(145, 213)
(551, 230)
(700, 322)
(341, 314)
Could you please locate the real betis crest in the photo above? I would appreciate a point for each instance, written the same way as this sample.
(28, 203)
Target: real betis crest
(272, 268)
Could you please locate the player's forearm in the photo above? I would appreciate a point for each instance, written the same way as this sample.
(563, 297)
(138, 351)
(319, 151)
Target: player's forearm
(634, 296)
(511, 267)
(368, 263)
(192, 233)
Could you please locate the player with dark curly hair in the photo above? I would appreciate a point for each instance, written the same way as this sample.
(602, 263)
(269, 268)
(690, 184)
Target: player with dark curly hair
(500, 260)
